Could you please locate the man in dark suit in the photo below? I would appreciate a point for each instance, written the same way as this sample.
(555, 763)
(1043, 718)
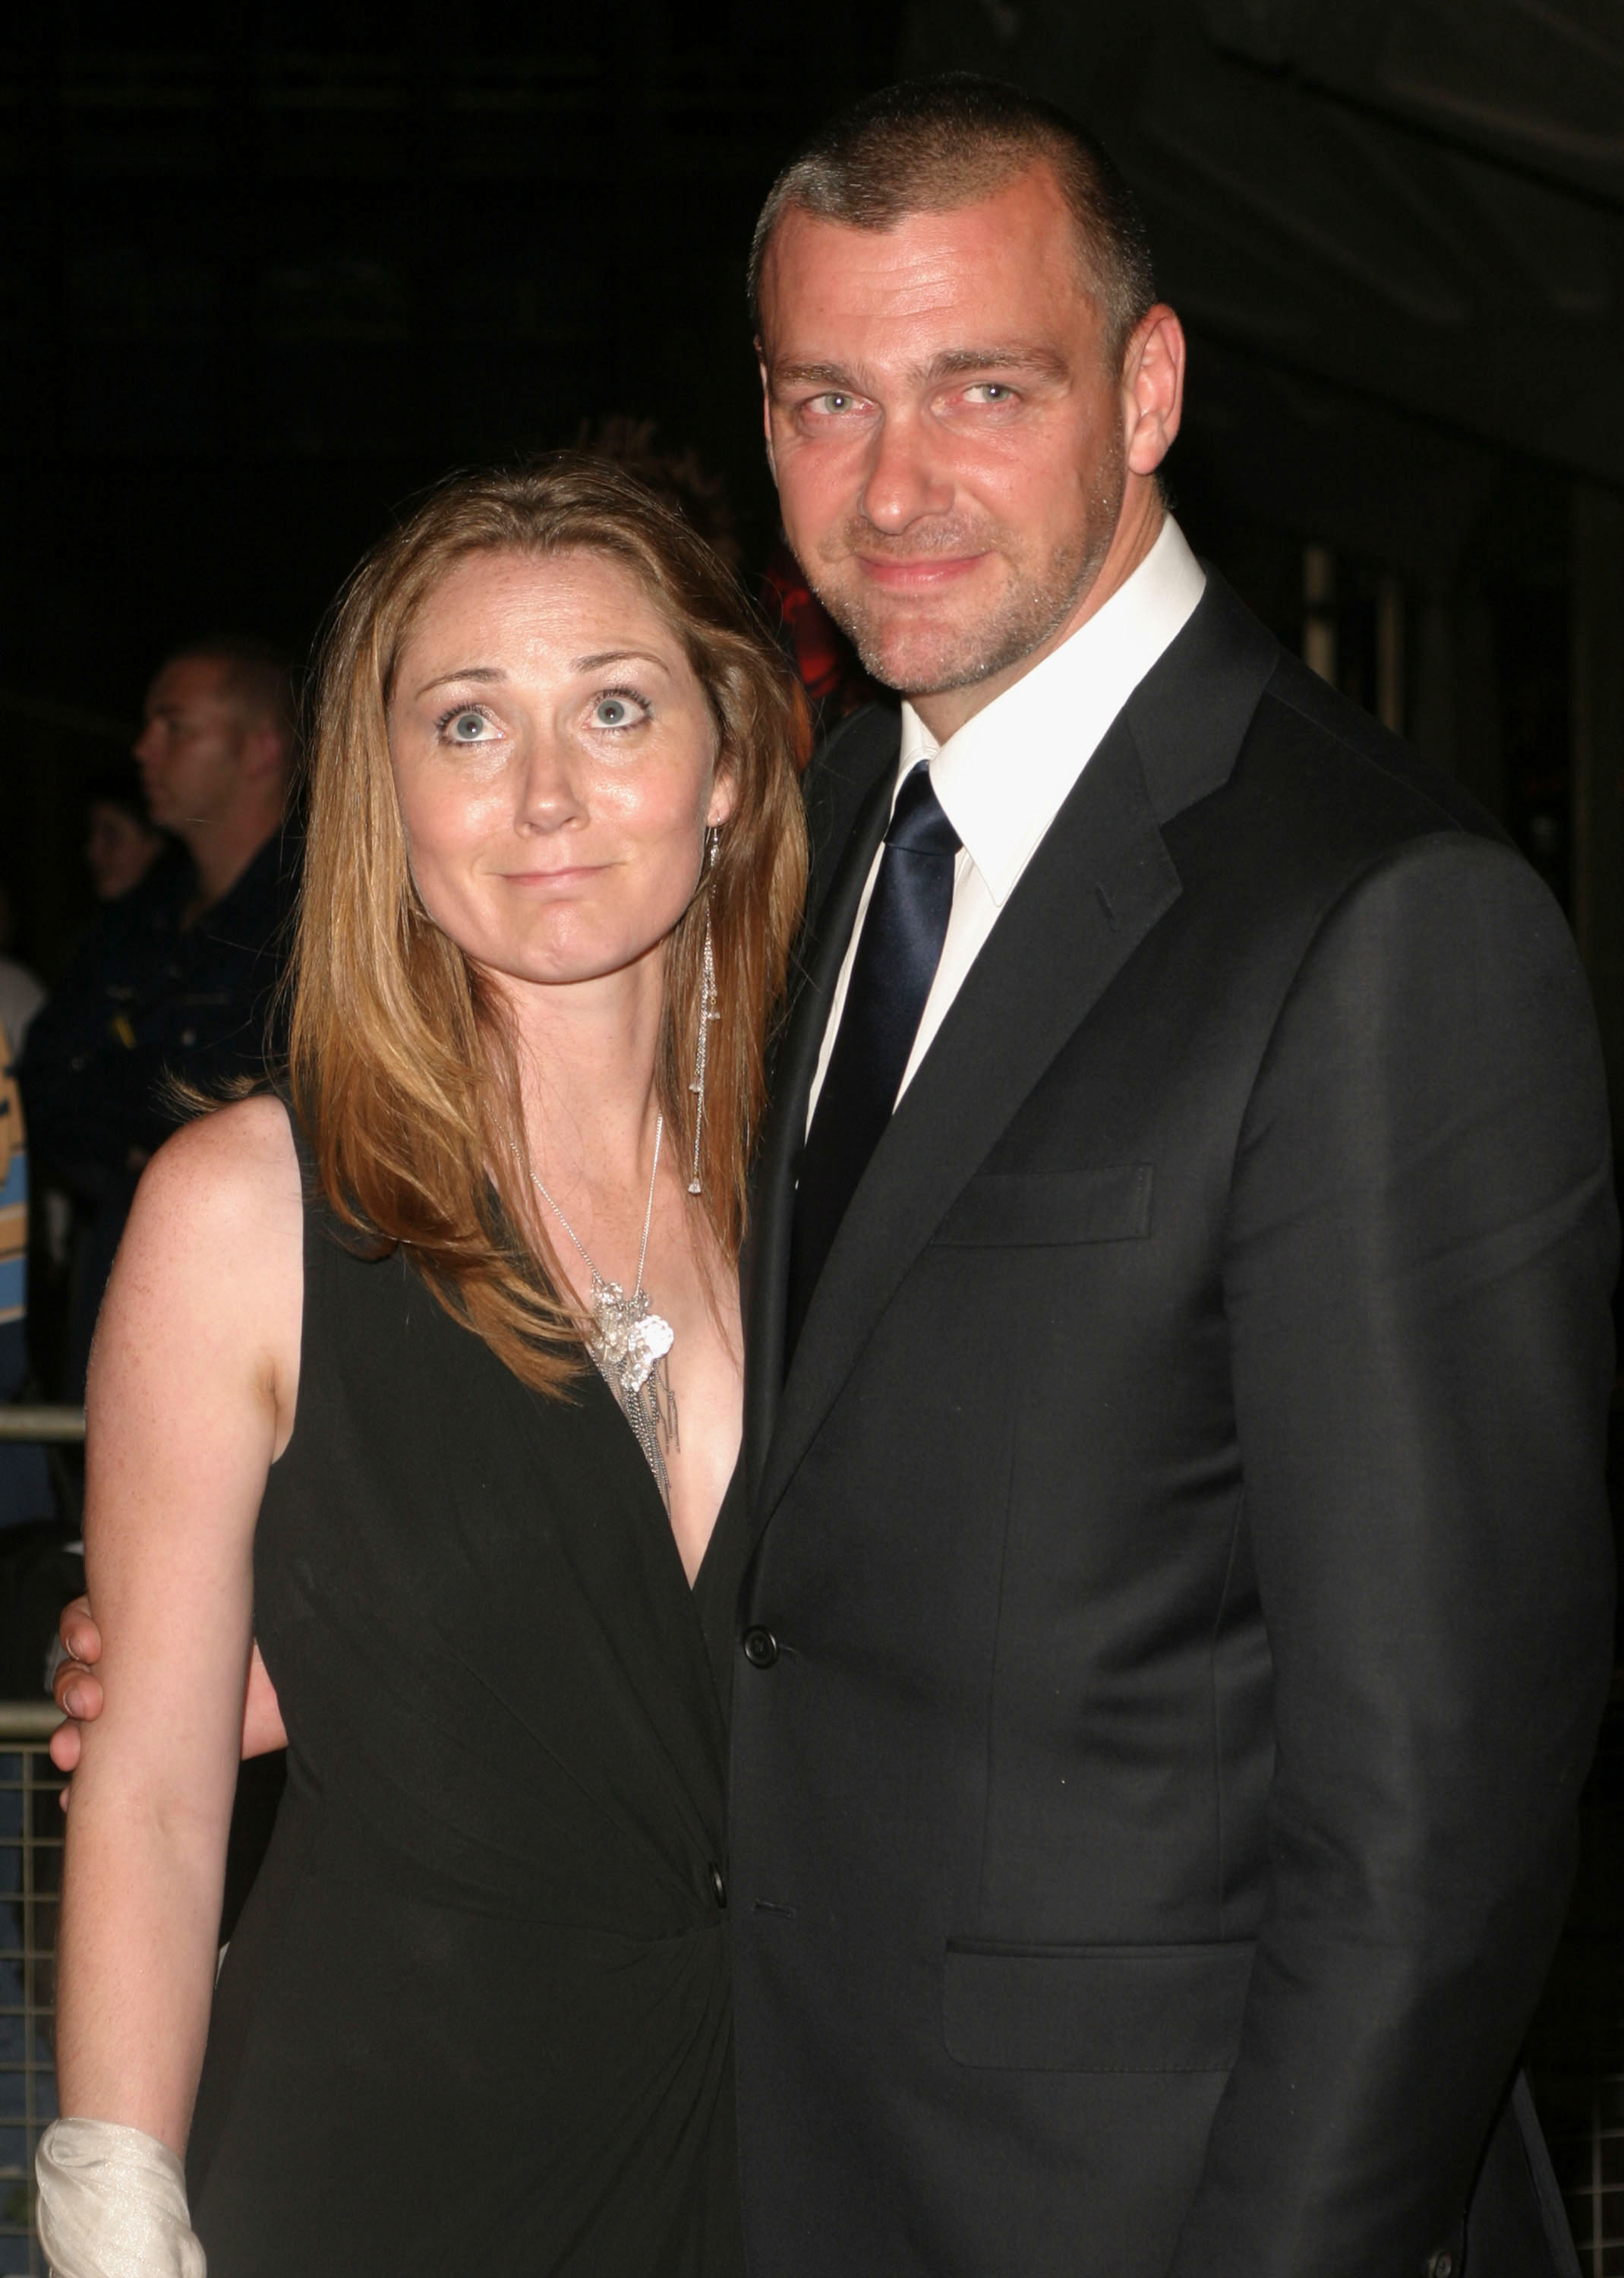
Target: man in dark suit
(1179, 1611)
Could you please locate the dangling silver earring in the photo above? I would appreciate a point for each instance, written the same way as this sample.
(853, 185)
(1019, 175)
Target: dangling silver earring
(707, 1009)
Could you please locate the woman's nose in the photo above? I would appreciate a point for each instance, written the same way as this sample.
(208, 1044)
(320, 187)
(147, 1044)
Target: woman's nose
(549, 797)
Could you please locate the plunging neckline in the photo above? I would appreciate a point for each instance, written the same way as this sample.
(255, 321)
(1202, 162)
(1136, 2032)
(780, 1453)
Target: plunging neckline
(630, 1440)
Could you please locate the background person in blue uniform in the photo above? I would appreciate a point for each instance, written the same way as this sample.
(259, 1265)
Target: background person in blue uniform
(25, 1487)
(177, 979)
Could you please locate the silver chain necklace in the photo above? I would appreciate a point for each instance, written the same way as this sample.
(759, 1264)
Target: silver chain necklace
(629, 1340)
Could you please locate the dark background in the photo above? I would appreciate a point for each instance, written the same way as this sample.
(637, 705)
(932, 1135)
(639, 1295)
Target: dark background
(269, 269)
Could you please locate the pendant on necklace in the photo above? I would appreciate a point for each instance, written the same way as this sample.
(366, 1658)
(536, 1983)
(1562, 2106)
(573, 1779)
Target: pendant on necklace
(628, 1338)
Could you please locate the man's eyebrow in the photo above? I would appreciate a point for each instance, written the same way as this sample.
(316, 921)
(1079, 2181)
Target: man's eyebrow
(950, 364)
(814, 375)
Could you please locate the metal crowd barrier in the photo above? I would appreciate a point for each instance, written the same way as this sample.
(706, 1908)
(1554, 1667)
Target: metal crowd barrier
(37, 1423)
(30, 1884)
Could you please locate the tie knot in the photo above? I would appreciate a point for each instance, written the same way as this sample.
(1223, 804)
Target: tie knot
(918, 823)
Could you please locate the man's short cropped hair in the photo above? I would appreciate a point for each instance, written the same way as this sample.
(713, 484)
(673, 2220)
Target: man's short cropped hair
(255, 675)
(933, 145)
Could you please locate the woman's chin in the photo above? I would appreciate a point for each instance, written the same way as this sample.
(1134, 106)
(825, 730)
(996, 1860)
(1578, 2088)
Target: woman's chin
(577, 965)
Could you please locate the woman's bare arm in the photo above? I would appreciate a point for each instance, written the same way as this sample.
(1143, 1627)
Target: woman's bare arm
(78, 1694)
(191, 1397)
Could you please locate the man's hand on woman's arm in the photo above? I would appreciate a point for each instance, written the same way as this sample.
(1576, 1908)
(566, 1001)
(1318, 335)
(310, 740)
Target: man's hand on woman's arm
(77, 1690)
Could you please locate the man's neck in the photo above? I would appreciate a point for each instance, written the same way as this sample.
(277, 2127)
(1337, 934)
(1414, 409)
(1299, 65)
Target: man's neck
(1138, 528)
(221, 849)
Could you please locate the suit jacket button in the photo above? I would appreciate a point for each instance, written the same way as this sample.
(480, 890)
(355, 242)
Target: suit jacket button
(760, 1647)
(719, 1887)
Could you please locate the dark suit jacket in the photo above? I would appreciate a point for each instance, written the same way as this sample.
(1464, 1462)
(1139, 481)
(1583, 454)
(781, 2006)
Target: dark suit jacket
(1179, 1616)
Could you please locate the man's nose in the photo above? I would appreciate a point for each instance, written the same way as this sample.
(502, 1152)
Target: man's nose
(146, 743)
(906, 477)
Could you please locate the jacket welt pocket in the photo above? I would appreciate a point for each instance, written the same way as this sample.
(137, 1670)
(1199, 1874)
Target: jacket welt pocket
(1041, 1209)
(1094, 2008)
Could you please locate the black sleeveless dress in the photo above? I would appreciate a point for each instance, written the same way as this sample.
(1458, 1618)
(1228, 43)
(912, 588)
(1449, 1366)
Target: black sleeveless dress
(475, 2014)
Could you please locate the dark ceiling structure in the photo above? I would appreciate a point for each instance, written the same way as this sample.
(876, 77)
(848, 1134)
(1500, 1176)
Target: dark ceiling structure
(1421, 202)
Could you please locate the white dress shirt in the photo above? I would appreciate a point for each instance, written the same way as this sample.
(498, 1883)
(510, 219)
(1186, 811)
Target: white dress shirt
(1006, 774)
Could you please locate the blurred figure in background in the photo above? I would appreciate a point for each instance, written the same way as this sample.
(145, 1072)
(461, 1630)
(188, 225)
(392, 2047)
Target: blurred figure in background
(22, 991)
(25, 1487)
(179, 981)
(122, 845)
(39, 1506)
(825, 662)
(677, 476)
(121, 841)
(822, 659)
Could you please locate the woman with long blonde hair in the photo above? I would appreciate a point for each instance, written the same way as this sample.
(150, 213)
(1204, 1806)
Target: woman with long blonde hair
(449, 1324)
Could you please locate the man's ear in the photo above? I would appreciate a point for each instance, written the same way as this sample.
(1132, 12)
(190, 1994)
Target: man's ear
(264, 752)
(766, 408)
(1153, 388)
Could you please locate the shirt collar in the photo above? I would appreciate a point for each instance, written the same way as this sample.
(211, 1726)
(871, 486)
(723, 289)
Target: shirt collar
(1005, 774)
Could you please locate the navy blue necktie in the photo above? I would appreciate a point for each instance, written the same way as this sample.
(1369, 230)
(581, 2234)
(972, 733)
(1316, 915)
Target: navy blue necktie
(896, 958)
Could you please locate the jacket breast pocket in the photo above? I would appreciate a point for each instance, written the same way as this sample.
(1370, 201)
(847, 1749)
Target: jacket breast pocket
(1096, 2008)
(1044, 1209)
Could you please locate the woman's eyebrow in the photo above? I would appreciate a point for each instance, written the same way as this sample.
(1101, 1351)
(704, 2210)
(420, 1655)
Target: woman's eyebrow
(600, 657)
(464, 672)
(593, 663)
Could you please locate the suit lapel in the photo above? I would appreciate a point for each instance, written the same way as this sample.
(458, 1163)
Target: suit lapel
(822, 953)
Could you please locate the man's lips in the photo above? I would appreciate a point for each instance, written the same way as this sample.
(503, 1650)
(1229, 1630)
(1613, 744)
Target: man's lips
(927, 574)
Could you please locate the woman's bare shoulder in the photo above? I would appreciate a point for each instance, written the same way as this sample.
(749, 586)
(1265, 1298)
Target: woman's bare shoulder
(207, 1290)
(223, 1195)
(237, 1158)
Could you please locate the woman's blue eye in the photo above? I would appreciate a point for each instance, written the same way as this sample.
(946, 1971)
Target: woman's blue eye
(467, 727)
(615, 712)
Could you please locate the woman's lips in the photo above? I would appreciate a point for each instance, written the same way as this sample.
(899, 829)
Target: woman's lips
(571, 876)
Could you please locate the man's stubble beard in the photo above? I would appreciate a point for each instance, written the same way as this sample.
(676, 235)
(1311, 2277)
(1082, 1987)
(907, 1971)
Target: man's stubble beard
(1032, 609)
